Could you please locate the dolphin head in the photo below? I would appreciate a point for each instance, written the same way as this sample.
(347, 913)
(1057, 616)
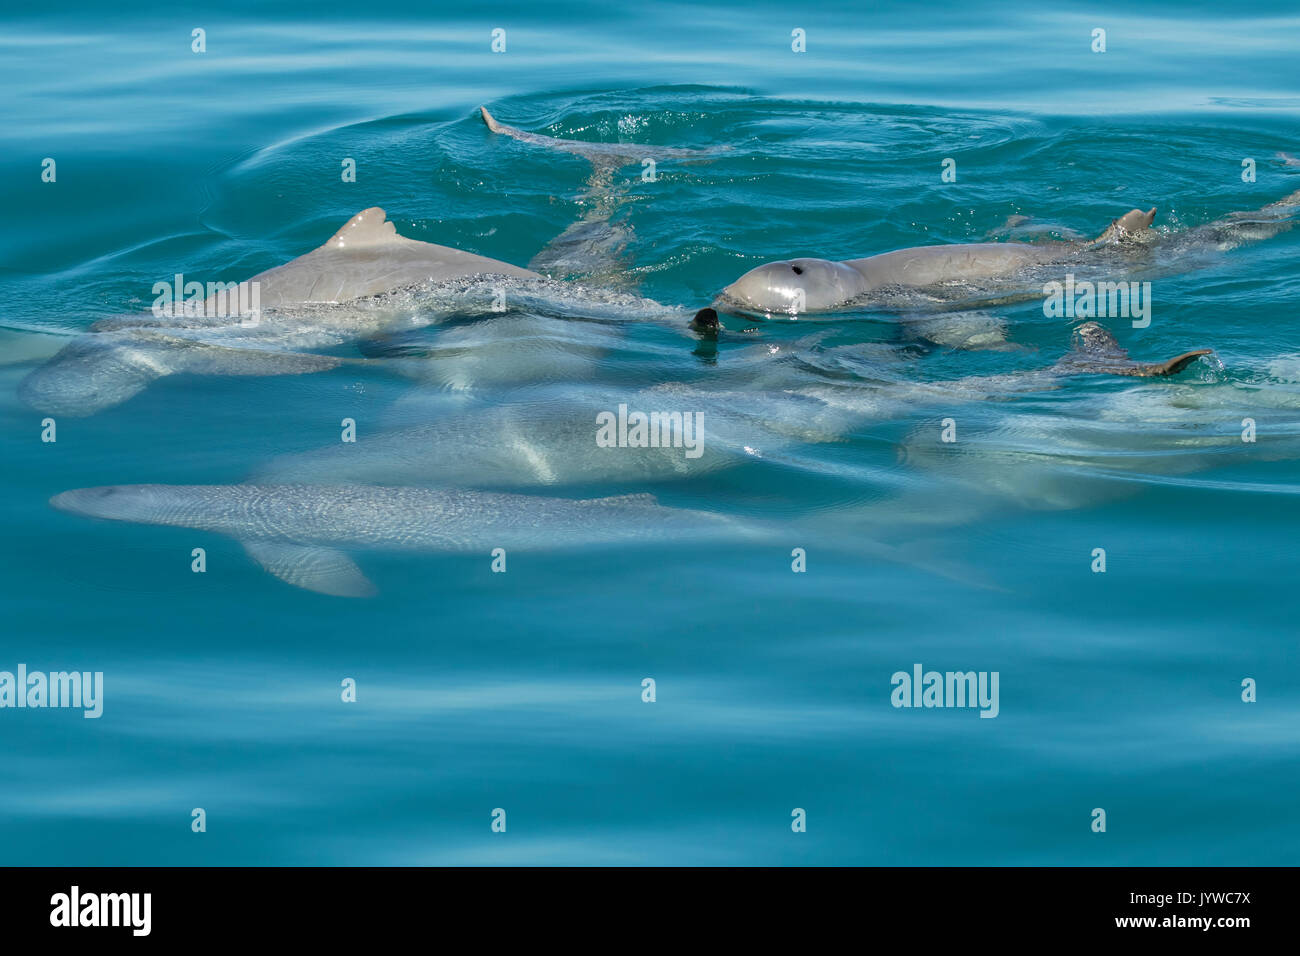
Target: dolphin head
(150, 504)
(793, 286)
(705, 323)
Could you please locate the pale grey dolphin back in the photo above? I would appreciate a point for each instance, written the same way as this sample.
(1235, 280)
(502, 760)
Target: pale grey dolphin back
(118, 359)
(367, 257)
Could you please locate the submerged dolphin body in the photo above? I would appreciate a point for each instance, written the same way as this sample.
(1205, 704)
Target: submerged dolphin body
(808, 285)
(508, 446)
(860, 390)
(552, 440)
(1108, 444)
(295, 531)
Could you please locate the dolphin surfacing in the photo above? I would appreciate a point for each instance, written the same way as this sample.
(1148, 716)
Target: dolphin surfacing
(119, 357)
(808, 285)
(1096, 352)
(366, 257)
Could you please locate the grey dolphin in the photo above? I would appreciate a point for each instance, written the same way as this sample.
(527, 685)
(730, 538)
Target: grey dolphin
(1096, 352)
(366, 259)
(510, 446)
(366, 282)
(872, 392)
(808, 285)
(552, 440)
(119, 357)
(549, 440)
(295, 531)
(368, 256)
(1109, 443)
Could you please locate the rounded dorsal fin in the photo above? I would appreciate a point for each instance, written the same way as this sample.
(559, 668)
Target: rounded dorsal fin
(369, 227)
(1136, 220)
(1132, 223)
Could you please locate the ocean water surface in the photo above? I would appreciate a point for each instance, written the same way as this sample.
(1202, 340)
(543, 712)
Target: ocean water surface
(523, 691)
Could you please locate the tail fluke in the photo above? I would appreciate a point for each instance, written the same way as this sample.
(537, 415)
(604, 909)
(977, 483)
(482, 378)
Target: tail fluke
(1097, 352)
(594, 247)
(1171, 367)
(602, 154)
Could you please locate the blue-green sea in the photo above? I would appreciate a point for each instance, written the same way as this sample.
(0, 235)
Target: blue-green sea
(1163, 690)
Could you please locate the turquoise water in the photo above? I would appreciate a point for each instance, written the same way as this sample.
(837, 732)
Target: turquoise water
(1118, 690)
